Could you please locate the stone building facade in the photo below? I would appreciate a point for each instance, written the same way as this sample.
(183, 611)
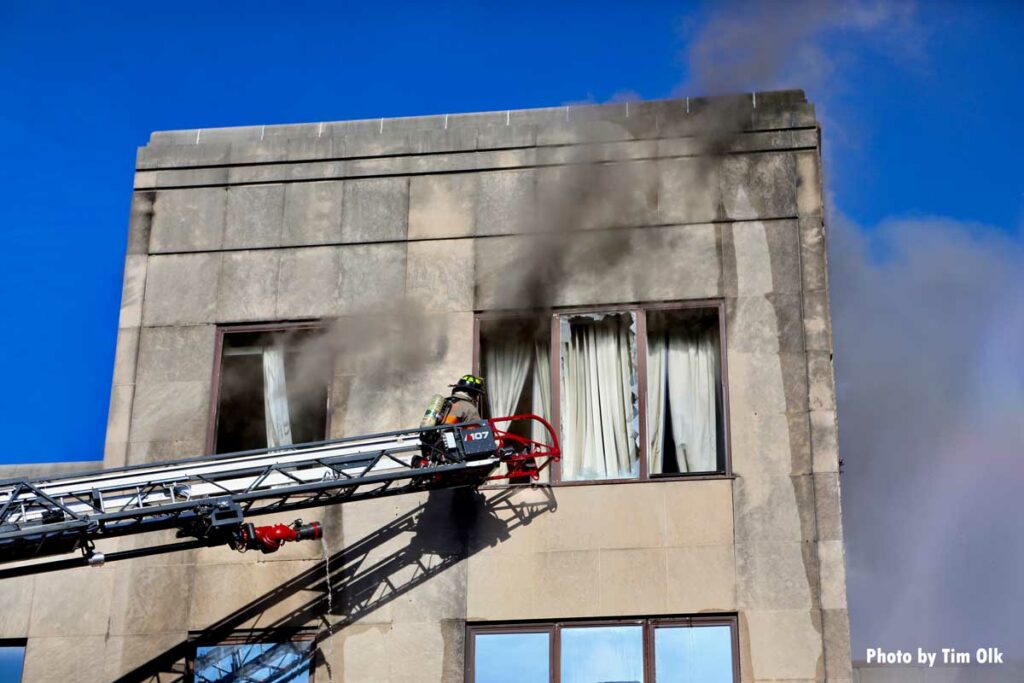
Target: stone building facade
(399, 254)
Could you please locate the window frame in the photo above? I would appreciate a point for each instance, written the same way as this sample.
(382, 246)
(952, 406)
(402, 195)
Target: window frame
(554, 628)
(640, 309)
(218, 358)
(256, 636)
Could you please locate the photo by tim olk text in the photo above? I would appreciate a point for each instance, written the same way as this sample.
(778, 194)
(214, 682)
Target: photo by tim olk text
(946, 655)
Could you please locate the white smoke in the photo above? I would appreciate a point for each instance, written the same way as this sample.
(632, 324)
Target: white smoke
(929, 330)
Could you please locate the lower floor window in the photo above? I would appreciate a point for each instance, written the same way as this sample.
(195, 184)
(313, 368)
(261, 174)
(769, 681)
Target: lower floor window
(255, 660)
(676, 650)
(12, 656)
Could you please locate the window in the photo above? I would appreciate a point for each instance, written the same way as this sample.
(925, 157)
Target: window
(515, 359)
(600, 407)
(272, 389)
(669, 650)
(242, 660)
(635, 392)
(12, 658)
(692, 654)
(513, 657)
(602, 653)
(684, 392)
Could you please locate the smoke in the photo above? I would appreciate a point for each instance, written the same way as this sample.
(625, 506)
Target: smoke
(929, 327)
(581, 211)
(813, 45)
(581, 216)
(390, 343)
(747, 46)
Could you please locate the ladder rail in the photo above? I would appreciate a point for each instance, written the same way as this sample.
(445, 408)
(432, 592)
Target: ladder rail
(150, 471)
(33, 541)
(54, 515)
(203, 482)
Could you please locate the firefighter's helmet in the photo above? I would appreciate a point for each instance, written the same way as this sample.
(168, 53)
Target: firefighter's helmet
(471, 384)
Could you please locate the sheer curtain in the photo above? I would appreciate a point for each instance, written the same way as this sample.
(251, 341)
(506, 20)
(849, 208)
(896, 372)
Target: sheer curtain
(692, 379)
(510, 357)
(682, 371)
(508, 364)
(599, 408)
(657, 351)
(541, 399)
(275, 398)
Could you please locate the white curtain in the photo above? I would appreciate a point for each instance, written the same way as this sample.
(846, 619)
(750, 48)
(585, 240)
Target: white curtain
(540, 402)
(541, 399)
(508, 363)
(275, 398)
(692, 370)
(656, 366)
(599, 406)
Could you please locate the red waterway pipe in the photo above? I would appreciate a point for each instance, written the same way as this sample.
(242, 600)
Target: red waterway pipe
(270, 537)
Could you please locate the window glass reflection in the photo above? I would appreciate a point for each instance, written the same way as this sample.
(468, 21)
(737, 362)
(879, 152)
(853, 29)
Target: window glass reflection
(603, 654)
(511, 658)
(693, 654)
(11, 658)
(243, 662)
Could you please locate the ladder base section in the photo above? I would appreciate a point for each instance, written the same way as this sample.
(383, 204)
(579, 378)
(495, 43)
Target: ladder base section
(209, 498)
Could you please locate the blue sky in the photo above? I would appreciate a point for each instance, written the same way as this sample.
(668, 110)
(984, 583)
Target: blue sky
(919, 106)
(82, 85)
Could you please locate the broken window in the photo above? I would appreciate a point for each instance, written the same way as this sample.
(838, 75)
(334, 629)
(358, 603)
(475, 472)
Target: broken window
(683, 649)
(515, 361)
(638, 392)
(271, 392)
(286, 660)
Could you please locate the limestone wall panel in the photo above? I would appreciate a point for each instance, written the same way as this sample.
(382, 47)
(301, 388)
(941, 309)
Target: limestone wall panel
(255, 215)
(442, 206)
(188, 220)
(312, 213)
(65, 658)
(248, 286)
(182, 289)
(375, 210)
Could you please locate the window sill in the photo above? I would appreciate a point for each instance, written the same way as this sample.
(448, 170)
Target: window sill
(602, 482)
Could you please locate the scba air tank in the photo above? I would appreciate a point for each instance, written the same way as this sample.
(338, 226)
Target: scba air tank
(433, 414)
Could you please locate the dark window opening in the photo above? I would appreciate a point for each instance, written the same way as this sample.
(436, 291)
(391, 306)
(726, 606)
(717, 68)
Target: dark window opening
(270, 394)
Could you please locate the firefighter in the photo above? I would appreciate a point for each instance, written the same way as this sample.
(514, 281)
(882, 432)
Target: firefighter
(465, 402)
(463, 405)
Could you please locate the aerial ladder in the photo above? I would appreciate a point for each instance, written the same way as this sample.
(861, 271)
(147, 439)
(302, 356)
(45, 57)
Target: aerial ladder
(209, 500)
